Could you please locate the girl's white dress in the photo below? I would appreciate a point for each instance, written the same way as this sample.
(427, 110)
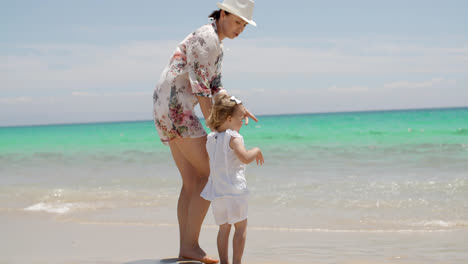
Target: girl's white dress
(227, 186)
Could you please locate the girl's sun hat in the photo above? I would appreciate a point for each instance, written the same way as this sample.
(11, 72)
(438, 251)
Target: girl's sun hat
(240, 8)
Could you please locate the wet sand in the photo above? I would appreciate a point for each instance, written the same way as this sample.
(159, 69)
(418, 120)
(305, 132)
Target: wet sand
(43, 238)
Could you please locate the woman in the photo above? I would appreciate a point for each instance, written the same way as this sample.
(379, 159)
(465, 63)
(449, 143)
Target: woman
(193, 76)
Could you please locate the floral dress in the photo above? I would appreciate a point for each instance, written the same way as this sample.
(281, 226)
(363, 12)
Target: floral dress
(194, 70)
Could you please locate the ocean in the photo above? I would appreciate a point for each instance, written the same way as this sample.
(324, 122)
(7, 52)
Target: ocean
(381, 172)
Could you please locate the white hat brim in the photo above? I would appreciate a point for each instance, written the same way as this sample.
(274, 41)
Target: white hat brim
(223, 7)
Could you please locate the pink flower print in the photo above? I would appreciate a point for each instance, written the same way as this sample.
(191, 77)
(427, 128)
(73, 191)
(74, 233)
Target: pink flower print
(179, 56)
(188, 117)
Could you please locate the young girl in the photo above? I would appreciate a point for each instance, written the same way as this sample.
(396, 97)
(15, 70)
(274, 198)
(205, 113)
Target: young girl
(226, 187)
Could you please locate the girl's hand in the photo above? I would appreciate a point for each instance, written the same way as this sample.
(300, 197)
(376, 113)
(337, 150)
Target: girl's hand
(247, 115)
(259, 158)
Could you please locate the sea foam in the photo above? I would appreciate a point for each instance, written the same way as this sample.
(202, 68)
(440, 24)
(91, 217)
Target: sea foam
(56, 208)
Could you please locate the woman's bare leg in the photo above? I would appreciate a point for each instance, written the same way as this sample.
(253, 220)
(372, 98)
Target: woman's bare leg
(192, 161)
(238, 242)
(182, 212)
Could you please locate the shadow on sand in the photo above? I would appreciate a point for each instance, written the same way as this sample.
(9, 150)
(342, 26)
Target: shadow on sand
(164, 261)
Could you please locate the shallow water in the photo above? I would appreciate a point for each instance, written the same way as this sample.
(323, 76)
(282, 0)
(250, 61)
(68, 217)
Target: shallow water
(397, 181)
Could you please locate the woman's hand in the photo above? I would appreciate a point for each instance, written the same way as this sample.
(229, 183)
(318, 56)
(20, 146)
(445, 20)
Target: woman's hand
(247, 115)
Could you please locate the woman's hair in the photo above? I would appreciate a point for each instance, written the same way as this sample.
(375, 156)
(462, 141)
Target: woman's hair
(223, 107)
(217, 13)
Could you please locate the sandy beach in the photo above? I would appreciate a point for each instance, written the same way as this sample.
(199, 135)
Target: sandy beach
(41, 238)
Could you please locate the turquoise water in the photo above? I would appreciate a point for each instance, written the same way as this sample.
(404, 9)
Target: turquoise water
(365, 128)
(386, 128)
(387, 170)
(80, 137)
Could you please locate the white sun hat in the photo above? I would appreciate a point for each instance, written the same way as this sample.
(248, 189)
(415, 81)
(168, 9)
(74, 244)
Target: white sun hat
(240, 8)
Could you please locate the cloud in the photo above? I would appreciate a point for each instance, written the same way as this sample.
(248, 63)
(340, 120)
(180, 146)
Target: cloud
(80, 77)
(407, 84)
(368, 56)
(16, 100)
(352, 89)
(112, 94)
(124, 29)
(138, 64)
(84, 66)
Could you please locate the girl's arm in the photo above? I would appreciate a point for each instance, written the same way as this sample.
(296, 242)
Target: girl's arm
(246, 156)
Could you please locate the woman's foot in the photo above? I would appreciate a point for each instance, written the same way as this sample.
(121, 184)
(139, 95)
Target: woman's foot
(197, 254)
(205, 259)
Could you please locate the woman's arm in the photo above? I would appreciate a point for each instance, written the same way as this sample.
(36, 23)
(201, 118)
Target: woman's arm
(246, 156)
(205, 106)
(206, 103)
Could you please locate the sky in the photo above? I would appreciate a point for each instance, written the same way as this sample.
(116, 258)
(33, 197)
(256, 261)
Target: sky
(64, 61)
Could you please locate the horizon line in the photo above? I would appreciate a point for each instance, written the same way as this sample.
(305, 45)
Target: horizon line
(265, 115)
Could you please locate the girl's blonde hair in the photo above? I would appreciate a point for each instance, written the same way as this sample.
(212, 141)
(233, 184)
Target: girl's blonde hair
(223, 107)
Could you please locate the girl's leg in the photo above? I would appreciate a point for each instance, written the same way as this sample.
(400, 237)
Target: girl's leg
(223, 243)
(238, 241)
(192, 161)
